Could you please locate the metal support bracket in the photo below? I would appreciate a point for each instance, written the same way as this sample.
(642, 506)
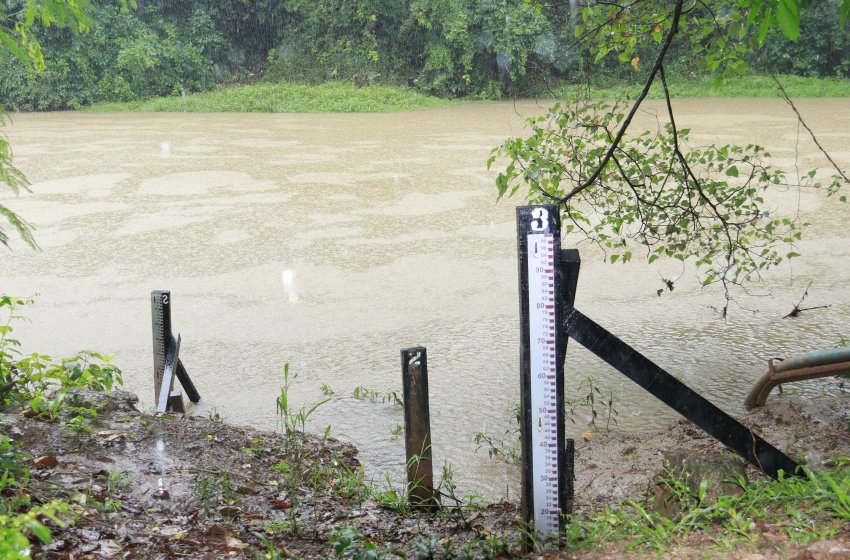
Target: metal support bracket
(677, 395)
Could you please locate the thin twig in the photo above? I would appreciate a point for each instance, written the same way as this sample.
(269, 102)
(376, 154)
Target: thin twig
(809, 130)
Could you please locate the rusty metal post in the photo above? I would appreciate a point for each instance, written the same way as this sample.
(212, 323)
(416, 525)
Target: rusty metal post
(417, 427)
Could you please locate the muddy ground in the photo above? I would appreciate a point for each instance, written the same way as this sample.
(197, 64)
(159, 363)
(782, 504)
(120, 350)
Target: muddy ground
(179, 486)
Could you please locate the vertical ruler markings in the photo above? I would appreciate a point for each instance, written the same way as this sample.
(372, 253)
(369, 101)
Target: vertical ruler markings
(541, 368)
(161, 331)
(544, 401)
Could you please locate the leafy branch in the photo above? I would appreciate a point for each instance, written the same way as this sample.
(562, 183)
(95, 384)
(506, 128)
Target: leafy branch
(625, 190)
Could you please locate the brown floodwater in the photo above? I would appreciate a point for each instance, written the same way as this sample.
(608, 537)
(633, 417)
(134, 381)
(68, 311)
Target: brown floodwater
(332, 241)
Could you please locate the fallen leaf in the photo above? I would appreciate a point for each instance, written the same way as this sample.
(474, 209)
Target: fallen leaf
(46, 462)
(109, 547)
(232, 542)
(170, 531)
(110, 435)
(229, 511)
(635, 62)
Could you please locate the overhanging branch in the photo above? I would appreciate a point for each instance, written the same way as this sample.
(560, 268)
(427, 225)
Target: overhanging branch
(668, 39)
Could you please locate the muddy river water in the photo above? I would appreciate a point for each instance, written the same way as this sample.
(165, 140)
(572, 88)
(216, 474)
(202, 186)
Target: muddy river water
(332, 241)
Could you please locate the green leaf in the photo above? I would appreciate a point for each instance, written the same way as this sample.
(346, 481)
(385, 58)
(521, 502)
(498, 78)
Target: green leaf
(788, 18)
(763, 27)
(844, 13)
(39, 530)
(614, 258)
(732, 171)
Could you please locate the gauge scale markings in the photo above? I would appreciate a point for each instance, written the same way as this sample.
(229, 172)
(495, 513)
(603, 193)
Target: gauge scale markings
(542, 354)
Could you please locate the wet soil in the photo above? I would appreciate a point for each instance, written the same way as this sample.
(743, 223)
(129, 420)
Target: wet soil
(175, 486)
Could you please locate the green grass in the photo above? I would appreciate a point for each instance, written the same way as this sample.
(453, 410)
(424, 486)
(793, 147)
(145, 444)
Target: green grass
(747, 86)
(332, 97)
(813, 507)
(338, 97)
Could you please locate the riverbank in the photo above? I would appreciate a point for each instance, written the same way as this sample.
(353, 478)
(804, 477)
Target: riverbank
(171, 486)
(340, 97)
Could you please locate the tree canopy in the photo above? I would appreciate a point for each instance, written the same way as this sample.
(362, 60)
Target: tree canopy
(20, 22)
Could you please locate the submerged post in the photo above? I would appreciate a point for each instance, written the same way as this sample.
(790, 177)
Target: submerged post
(542, 350)
(417, 427)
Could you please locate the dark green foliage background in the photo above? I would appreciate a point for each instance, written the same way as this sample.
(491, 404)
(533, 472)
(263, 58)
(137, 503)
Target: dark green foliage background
(450, 48)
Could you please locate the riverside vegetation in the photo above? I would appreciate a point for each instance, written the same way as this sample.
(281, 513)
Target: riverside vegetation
(342, 97)
(84, 473)
(454, 48)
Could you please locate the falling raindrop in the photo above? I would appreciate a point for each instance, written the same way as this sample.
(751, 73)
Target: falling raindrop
(165, 148)
(287, 277)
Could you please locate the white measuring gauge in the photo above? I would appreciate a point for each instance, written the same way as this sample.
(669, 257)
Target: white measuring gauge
(544, 400)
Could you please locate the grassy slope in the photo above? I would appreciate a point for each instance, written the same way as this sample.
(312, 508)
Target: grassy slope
(287, 98)
(748, 86)
(346, 98)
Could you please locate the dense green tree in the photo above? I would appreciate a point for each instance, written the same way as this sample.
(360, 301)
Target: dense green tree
(19, 21)
(650, 191)
(488, 48)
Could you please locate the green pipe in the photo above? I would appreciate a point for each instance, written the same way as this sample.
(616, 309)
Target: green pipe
(816, 358)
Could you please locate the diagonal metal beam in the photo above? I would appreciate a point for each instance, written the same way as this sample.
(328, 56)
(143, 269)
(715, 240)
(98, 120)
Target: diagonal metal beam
(677, 395)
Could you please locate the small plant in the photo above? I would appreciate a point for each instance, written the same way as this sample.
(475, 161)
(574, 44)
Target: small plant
(271, 552)
(452, 503)
(597, 402)
(291, 526)
(14, 542)
(346, 541)
(118, 481)
(13, 471)
(396, 432)
(336, 477)
(362, 393)
(392, 498)
(293, 421)
(505, 448)
(391, 396)
(499, 449)
(213, 491)
(214, 415)
(37, 380)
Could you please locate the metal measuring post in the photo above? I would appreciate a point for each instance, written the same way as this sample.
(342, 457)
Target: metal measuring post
(166, 358)
(542, 348)
(417, 427)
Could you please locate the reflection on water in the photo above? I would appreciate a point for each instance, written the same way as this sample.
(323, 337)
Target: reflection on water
(333, 241)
